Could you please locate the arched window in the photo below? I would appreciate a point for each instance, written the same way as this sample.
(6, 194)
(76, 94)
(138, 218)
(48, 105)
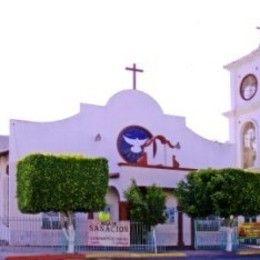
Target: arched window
(249, 145)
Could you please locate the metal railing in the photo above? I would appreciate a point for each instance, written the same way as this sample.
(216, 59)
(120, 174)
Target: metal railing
(36, 234)
(212, 234)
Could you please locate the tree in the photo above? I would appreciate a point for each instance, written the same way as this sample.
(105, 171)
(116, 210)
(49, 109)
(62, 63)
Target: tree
(62, 183)
(147, 205)
(226, 193)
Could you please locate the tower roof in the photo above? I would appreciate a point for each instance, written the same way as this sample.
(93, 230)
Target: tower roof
(244, 59)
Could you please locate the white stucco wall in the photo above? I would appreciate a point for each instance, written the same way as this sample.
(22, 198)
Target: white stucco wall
(77, 135)
(243, 111)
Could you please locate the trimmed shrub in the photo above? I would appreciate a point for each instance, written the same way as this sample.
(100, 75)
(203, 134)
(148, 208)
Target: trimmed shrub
(61, 183)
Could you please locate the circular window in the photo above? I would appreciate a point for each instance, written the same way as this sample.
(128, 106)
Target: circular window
(248, 87)
(131, 141)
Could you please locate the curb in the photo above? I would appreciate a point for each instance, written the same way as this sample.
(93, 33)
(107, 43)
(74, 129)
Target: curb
(48, 257)
(249, 252)
(135, 255)
(95, 255)
(120, 255)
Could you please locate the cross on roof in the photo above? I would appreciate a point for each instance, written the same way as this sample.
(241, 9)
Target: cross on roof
(134, 69)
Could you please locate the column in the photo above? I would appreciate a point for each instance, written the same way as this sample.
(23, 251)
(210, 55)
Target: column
(180, 227)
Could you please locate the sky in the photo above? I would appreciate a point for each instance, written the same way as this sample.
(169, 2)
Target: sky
(55, 55)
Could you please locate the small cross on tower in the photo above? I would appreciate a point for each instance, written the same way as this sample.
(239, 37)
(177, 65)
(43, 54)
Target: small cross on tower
(134, 69)
(258, 28)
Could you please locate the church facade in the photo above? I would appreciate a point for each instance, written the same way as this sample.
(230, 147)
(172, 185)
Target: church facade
(142, 143)
(244, 116)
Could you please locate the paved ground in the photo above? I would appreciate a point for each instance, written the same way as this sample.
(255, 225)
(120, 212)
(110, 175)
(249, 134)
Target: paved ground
(190, 254)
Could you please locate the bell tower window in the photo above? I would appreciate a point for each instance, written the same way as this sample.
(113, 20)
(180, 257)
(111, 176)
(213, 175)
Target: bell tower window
(249, 145)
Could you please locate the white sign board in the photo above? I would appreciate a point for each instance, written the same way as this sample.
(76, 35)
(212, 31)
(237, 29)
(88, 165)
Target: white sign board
(108, 233)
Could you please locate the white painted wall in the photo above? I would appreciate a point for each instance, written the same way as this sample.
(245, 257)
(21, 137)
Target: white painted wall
(77, 134)
(243, 111)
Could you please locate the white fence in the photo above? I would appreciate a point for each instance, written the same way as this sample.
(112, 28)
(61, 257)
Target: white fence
(36, 234)
(212, 234)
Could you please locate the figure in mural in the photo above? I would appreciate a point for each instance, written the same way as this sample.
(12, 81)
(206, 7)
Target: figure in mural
(159, 152)
(249, 146)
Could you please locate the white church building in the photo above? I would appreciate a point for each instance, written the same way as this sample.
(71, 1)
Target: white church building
(141, 142)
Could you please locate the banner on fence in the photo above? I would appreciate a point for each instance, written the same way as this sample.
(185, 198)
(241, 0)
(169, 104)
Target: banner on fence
(250, 230)
(115, 234)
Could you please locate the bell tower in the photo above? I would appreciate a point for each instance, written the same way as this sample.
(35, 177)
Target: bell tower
(244, 116)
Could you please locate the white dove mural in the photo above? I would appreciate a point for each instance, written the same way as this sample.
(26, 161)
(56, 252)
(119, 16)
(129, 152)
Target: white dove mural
(136, 144)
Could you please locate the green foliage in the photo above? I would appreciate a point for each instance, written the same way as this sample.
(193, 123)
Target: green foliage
(222, 192)
(147, 205)
(61, 183)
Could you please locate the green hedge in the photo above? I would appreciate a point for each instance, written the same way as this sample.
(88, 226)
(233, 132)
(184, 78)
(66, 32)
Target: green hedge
(61, 183)
(219, 192)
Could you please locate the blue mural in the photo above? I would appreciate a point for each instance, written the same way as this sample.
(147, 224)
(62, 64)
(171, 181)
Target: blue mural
(131, 141)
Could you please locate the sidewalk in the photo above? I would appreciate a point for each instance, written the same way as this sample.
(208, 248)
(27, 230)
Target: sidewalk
(176, 254)
(120, 255)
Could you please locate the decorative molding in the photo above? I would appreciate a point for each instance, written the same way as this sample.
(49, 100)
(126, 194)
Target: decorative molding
(161, 167)
(243, 110)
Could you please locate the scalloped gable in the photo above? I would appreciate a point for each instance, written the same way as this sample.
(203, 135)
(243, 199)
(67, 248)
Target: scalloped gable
(134, 100)
(130, 106)
(126, 108)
